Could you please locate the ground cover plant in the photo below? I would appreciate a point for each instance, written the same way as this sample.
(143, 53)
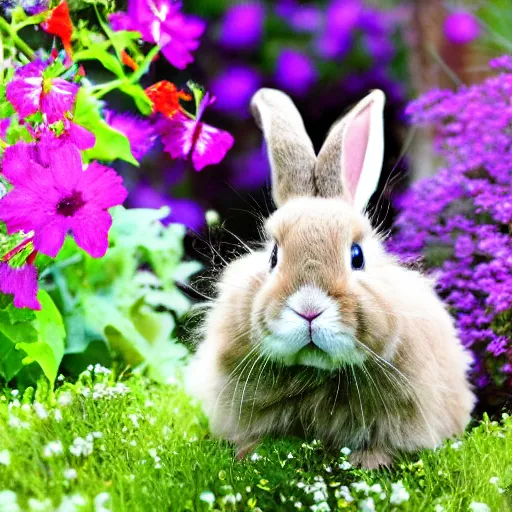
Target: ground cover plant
(108, 443)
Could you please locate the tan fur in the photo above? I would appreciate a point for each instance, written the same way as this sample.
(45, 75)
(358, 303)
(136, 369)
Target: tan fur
(410, 392)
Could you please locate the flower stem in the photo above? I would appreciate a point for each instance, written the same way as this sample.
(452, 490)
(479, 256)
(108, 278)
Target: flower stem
(22, 46)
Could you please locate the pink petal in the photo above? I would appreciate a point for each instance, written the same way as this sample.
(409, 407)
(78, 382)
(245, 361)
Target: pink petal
(59, 100)
(18, 162)
(22, 283)
(177, 135)
(102, 187)
(83, 139)
(121, 21)
(25, 95)
(211, 146)
(34, 68)
(50, 236)
(90, 228)
(66, 167)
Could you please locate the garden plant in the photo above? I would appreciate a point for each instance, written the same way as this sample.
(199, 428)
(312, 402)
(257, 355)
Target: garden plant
(123, 129)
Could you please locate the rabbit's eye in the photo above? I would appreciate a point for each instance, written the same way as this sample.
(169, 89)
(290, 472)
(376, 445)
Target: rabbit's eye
(273, 258)
(357, 257)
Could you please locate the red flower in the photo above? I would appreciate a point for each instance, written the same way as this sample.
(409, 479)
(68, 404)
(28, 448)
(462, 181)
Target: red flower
(58, 23)
(128, 61)
(165, 97)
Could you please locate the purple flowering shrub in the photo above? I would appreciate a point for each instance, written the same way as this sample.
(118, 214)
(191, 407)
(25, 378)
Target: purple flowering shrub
(459, 222)
(78, 272)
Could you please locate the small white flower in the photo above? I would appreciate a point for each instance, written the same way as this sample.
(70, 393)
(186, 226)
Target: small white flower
(96, 435)
(319, 496)
(456, 445)
(290, 456)
(85, 392)
(9, 501)
(15, 403)
(320, 507)
(207, 497)
(255, 456)
(346, 451)
(60, 378)
(26, 408)
(149, 403)
(134, 420)
(298, 504)
(367, 505)
(133, 443)
(345, 465)
(98, 369)
(494, 480)
(229, 498)
(81, 447)
(71, 503)
(5, 457)
(57, 415)
(343, 492)
(439, 508)
(328, 469)
(39, 506)
(40, 410)
(476, 506)
(15, 422)
(361, 487)
(399, 494)
(52, 449)
(65, 399)
(15, 392)
(376, 488)
(70, 474)
(101, 501)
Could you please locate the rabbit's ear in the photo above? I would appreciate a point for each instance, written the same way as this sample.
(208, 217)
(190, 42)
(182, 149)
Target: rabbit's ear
(350, 161)
(290, 150)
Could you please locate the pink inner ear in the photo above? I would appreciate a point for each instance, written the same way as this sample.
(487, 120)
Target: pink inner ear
(355, 144)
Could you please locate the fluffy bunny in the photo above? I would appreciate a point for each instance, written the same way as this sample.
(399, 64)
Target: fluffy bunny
(322, 334)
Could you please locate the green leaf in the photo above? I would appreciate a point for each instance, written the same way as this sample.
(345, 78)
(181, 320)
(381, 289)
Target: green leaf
(17, 332)
(139, 97)
(79, 333)
(99, 53)
(11, 359)
(110, 144)
(48, 350)
(6, 109)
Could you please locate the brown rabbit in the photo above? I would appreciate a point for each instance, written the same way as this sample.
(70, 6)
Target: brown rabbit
(323, 334)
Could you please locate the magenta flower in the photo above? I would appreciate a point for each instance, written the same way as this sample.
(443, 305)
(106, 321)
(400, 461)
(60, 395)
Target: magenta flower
(162, 22)
(183, 137)
(21, 283)
(30, 91)
(61, 197)
(461, 27)
(140, 132)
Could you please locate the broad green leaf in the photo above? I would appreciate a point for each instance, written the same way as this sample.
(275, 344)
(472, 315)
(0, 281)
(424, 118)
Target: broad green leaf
(110, 144)
(99, 53)
(48, 350)
(11, 359)
(17, 332)
(79, 333)
(6, 109)
(139, 97)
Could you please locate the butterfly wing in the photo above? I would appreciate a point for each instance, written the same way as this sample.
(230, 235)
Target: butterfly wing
(211, 146)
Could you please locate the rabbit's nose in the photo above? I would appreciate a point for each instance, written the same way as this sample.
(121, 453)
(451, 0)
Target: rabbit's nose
(308, 315)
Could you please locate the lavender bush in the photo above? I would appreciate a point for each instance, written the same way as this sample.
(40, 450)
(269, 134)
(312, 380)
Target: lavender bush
(460, 221)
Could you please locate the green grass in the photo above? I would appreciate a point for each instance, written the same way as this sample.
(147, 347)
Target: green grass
(155, 454)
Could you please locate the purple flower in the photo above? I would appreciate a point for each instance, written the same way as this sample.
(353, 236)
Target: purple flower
(306, 18)
(4, 125)
(29, 6)
(140, 132)
(184, 137)
(21, 283)
(30, 92)
(242, 26)
(459, 220)
(234, 88)
(162, 22)
(295, 72)
(461, 27)
(62, 197)
(183, 211)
